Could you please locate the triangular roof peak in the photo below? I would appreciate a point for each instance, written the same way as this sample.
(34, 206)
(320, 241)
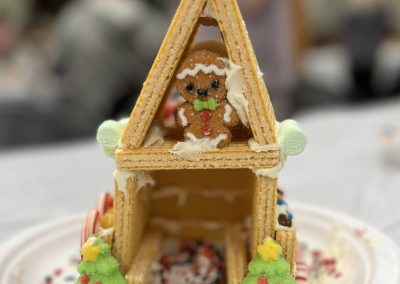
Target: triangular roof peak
(179, 37)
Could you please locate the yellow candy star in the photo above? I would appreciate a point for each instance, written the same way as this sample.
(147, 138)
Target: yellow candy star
(90, 251)
(269, 250)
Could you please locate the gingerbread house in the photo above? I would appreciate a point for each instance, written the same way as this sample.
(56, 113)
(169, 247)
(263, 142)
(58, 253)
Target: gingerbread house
(206, 194)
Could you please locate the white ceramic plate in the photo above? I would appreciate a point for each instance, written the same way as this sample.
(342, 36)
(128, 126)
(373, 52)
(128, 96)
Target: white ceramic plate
(27, 258)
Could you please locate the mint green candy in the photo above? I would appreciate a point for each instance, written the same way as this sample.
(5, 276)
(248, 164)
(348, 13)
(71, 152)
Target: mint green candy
(108, 135)
(292, 137)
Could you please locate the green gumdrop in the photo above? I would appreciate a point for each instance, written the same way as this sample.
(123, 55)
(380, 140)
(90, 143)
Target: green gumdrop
(292, 137)
(108, 135)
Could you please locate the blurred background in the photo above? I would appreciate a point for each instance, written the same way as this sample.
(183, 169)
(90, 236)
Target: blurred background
(66, 66)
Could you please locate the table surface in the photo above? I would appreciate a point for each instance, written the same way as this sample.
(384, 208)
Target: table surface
(342, 169)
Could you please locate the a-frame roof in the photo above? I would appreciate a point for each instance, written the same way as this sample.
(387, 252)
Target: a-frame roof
(227, 14)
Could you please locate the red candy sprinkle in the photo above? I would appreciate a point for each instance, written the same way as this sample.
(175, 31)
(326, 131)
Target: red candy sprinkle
(58, 271)
(205, 115)
(206, 129)
(84, 279)
(98, 282)
(207, 252)
(262, 280)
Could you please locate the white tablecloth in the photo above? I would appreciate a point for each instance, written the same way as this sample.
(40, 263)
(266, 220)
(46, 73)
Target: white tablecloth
(341, 169)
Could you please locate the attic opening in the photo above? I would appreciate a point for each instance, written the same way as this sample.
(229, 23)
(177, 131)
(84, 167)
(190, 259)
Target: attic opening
(207, 36)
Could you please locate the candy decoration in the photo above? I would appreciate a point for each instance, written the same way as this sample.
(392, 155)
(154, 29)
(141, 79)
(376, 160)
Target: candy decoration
(107, 221)
(169, 109)
(210, 104)
(108, 135)
(90, 226)
(190, 262)
(99, 264)
(206, 129)
(205, 115)
(284, 220)
(105, 203)
(269, 250)
(291, 137)
(262, 280)
(302, 269)
(84, 279)
(90, 251)
(269, 266)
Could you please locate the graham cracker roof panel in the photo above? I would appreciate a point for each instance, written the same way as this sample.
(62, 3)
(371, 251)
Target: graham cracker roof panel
(260, 113)
(157, 157)
(178, 36)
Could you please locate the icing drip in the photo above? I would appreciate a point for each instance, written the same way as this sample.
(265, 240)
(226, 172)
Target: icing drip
(206, 69)
(155, 136)
(254, 146)
(271, 172)
(291, 141)
(142, 179)
(181, 194)
(234, 85)
(227, 113)
(173, 227)
(105, 232)
(195, 145)
(181, 114)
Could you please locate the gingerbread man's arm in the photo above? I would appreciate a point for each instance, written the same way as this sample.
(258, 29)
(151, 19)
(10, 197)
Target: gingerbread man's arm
(185, 114)
(229, 115)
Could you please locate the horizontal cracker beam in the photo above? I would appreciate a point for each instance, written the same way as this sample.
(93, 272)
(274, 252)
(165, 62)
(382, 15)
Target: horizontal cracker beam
(157, 157)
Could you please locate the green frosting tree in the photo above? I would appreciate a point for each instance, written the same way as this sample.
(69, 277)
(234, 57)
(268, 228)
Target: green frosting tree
(269, 267)
(98, 265)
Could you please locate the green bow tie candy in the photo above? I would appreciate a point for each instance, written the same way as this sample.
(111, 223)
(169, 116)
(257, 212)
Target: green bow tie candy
(210, 104)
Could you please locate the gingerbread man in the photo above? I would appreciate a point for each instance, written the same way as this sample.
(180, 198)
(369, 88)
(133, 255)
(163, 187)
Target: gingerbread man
(206, 115)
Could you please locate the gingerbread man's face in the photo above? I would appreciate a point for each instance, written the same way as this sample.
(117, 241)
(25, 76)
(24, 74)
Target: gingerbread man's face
(202, 76)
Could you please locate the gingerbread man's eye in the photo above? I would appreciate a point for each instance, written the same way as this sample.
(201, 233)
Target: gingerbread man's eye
(190, 87)
(215, 84)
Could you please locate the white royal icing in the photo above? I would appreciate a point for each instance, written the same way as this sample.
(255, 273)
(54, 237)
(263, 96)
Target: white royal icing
(142, 179)
(182, 194)
(254, 146)
(227, 113)
(173, 227)
(269, 172)
(105, 232)
(234, 85)
(182, 117)
(195, 145)
(206, 69)
(155, 136)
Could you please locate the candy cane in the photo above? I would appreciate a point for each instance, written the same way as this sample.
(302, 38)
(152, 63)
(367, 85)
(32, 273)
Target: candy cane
(89, 227)
(302, 269)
